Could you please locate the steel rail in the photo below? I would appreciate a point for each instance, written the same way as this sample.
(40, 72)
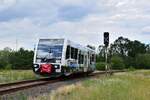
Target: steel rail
(21, 82)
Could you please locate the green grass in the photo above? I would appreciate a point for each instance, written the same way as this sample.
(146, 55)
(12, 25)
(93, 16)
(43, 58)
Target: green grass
(122, 86)
(7, 76)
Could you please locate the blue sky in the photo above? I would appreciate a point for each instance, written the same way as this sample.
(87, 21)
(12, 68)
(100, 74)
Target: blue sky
(82, 21)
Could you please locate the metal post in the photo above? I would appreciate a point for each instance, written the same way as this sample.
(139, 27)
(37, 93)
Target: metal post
(107, 66)
(106, 60)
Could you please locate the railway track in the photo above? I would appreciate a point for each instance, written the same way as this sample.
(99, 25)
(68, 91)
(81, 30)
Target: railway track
(13, 87)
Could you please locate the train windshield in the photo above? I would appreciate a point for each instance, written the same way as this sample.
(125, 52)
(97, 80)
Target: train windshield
(49, 51)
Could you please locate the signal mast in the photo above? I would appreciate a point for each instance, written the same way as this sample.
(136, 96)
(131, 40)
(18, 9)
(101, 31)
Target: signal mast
(106, 43)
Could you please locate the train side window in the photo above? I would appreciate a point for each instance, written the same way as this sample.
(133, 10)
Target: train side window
(85, 60)
(81, 58)
(72, 52)
(93, 57)
(75, 53)
(90, 59)
(68, 52)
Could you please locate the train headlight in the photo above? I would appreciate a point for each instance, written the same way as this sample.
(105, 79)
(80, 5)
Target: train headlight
(56, 66)
(36, 66)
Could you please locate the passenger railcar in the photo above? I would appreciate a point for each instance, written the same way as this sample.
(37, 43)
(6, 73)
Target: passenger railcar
(62, 57)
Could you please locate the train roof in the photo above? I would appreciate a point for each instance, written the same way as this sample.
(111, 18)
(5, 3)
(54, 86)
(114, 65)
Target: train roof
(73, 44)
(83, 48)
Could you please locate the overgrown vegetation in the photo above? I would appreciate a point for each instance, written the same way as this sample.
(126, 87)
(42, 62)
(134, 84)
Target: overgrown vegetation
(7, 76)
(121, 86)
(117, 62)
(124, 53)
(143, 60)
(100, 66)
(21, 59)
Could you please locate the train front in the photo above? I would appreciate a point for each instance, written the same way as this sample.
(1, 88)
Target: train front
(47, 57)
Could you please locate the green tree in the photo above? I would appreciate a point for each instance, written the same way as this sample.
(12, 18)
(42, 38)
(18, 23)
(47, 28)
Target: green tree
(143, 61)
(135, 48)
(148, 48)
(21, 59)
(100, 66)
(120, 47)
(4, 57)
(117, 62)
(128, 50)
(101, 54)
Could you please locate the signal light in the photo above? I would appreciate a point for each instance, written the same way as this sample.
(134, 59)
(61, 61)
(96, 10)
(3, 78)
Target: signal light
(106, 38)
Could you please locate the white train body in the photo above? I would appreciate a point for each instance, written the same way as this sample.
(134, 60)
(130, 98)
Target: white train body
(62, 56)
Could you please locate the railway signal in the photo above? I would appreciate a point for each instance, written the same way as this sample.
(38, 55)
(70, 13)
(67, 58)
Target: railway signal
(106, 43)
(106, 39)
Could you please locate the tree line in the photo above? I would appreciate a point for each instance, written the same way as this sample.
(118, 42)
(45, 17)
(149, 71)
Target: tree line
(124, 53)
(21, 59)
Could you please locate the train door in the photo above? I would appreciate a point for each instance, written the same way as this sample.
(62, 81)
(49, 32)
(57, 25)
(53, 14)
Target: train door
(86, 61)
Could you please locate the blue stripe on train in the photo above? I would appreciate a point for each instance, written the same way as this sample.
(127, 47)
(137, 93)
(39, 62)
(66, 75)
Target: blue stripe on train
(73, 65)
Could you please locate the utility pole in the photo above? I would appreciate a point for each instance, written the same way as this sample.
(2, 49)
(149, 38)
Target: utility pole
(16, 44)
(106, 43)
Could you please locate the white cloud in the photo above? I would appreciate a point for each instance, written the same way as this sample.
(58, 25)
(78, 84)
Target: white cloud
(5, 4)
(28, 20)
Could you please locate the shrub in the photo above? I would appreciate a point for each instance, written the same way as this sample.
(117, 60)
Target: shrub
(129, 62)
(8, 67)
(131, 69)
(117, 62)
(100, 65)
(143, 61)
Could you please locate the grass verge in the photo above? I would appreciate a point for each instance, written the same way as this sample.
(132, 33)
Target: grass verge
(7, 76)
(122, 86)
